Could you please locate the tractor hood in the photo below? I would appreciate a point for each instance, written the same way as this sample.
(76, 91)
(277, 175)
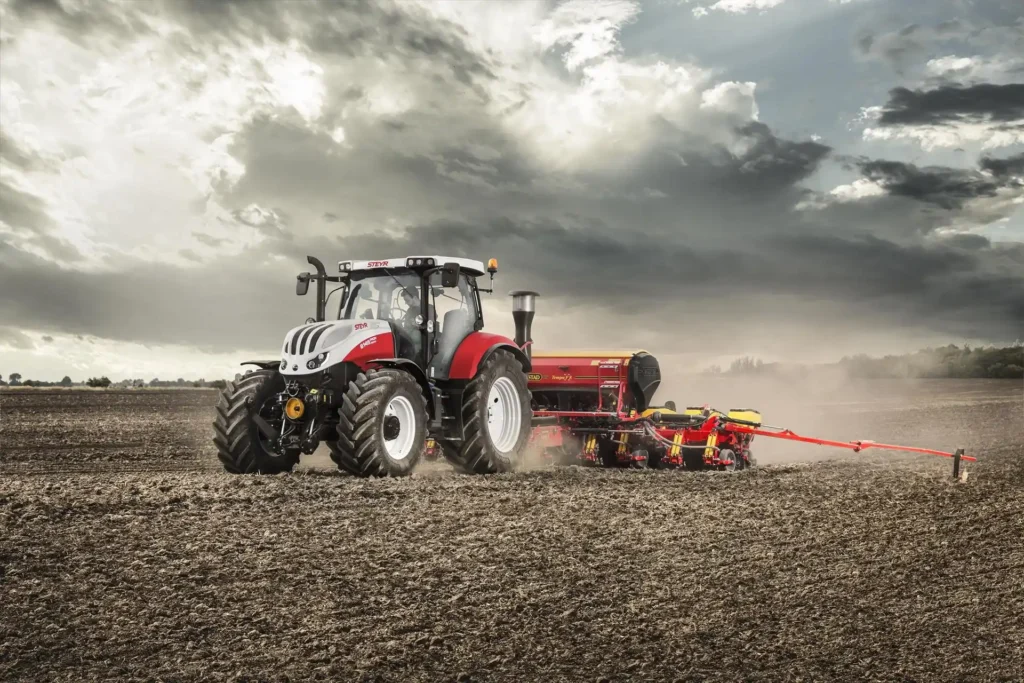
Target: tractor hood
(316, 346)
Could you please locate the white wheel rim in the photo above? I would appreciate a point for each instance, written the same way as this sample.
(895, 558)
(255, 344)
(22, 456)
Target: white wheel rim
(400, 447)
(504, 414)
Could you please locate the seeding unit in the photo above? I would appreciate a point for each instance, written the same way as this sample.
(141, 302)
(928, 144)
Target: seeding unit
(597, 408)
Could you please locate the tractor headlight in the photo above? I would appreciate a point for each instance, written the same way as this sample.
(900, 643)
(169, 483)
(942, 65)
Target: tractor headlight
(294, 408)
(314, 363)
(345, 266)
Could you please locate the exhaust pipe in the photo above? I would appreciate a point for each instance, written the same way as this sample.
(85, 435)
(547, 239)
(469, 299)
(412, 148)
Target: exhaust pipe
(523, 303)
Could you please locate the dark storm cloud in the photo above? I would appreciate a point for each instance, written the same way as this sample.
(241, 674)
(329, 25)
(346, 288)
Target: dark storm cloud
(769, 164)
(968, 241)
(27, 212)
(241, 302)
(681, 165)
(945, 187)
(1004, 168)
(956, 288)
(953, 104)
(931, 284)
(81, 22)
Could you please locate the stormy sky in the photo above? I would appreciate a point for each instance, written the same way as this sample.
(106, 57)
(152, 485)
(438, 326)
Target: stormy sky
(791, 179)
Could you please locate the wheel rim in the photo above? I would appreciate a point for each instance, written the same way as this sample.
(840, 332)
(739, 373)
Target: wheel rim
(398, 428)
(504, 414)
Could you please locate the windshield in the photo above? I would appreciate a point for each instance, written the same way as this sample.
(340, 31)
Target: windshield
(381, 295)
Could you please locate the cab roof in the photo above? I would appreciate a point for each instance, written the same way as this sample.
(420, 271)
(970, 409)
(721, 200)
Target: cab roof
(471, 266)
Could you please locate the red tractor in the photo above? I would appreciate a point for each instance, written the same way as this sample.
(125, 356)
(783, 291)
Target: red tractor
(405, 360)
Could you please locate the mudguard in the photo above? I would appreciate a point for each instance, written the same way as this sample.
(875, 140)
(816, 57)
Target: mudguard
(263, 364)
(413, 369)
(476, 348)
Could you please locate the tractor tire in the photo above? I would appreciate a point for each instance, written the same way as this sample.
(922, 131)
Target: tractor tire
(343, 461)
(382, 425)
(496, 418)
(239, 446)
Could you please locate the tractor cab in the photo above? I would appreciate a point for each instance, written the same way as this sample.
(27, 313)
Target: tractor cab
(432, 303)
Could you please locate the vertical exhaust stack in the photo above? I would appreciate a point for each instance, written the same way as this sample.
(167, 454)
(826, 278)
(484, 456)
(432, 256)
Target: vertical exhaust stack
(523, 306)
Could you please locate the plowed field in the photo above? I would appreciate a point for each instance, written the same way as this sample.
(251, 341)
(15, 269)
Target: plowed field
(125, 554)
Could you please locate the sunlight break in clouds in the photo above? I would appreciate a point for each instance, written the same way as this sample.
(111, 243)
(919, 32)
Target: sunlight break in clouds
(138, 130)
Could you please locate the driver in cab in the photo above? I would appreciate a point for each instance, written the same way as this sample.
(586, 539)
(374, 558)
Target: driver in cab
(407, 320)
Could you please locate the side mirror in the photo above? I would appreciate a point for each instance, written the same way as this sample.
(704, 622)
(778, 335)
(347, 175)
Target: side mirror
(450, 275)
(302, 284)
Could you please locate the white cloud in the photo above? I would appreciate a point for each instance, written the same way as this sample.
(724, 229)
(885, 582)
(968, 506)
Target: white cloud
(988, 135)
(588, 28)
(999, 69)
(139, 131)
(732, 98)
(608, 106)
(858, 189)
(745, 6)
(742, 6)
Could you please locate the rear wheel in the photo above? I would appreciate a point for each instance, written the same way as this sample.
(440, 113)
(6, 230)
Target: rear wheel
(382, 425)
(242, 446)
(496, 416)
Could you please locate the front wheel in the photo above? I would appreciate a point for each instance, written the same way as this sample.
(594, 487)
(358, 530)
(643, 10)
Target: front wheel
(496, 417)
(382, 425)
(249, 418)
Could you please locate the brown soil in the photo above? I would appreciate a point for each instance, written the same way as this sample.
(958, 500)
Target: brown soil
(126, 554)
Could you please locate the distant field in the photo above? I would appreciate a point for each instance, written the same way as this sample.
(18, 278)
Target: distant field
(126, 554)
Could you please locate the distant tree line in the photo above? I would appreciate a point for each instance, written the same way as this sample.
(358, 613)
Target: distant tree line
(15, 380)
(943, 362)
